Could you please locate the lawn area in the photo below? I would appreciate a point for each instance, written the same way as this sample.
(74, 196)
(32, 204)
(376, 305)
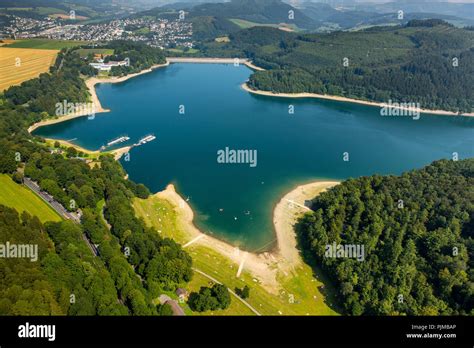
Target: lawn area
(22, 199)
(84, 52)
(247, 24)
(181, 50)
(236, 307)
(243, 24)
(299, 292)
(46, 44)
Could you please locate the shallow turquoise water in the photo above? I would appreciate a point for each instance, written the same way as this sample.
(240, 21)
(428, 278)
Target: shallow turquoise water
(234, 201)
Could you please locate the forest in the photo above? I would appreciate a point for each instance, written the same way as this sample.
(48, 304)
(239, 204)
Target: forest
(135, 265)
(429, 62)
(417, 230)
(141, 57)
(66, 280)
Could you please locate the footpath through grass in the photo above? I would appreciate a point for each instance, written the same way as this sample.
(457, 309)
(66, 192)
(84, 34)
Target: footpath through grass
(22, 199)
(299, 293)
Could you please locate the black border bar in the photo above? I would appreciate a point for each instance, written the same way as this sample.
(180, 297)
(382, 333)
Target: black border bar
(243, 331)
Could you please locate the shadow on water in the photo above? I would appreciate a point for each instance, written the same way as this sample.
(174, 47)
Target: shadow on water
(328, 289)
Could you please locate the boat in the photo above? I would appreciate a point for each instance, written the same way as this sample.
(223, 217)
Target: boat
(146, 139)
(118, 141)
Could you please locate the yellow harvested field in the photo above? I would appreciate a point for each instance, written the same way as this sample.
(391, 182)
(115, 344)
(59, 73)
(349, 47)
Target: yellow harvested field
(6, 42)
(21, 64)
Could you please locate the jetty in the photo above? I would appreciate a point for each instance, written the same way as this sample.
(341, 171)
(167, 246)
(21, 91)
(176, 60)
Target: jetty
(117, 141)
(146, 139)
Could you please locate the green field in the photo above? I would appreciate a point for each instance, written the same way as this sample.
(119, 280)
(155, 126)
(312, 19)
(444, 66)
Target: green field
(84, 52)
(22, 199)
(236, 307)
(45, 44)
(243, 24)
(298, 284)
(182, 51)
(37, 10)
(48, 10)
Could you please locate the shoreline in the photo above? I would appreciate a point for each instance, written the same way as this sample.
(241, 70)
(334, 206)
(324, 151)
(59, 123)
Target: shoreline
(117, 153)
(265, 266)
(90, 83)
(348, 100)
(93, 81)
(203, 60)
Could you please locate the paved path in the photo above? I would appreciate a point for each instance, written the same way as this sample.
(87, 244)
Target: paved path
(194, 240)
(241, 266)
(230, 290)
(297, 204)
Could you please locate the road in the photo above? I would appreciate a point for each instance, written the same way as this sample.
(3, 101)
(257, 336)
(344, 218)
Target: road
(230, 290)
(33, 186)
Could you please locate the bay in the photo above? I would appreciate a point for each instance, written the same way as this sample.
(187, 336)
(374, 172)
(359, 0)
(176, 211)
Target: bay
(235, 202)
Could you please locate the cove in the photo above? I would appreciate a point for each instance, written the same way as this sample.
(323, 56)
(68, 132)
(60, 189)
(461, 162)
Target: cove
(234, 201)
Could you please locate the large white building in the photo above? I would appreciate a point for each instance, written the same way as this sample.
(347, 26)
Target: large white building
(101, 66)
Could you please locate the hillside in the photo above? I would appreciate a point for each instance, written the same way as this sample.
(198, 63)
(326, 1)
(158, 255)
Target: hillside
(458, 9)
(417, 234)
(66, 280)
(259, 11)
(426, 62)
(84, 9)
(211, 20)
(328, 18)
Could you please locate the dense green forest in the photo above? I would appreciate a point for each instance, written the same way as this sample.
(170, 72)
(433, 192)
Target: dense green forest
(135, 265)
(426, 61)
(417, 231)
(66, 280)
(141, 57)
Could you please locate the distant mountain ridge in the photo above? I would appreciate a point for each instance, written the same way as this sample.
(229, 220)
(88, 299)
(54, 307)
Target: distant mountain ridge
(462, 10)
(364, 15)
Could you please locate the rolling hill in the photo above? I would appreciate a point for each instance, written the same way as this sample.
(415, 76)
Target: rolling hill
(414, 62)
(259, 11)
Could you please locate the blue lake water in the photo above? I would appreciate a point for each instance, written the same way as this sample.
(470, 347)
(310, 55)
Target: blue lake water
(235, 201)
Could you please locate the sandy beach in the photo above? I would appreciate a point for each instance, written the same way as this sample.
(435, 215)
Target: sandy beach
(90, 83)
(69, 144)
(347, 100)
(286, 213)
(117, 153)
(264, 266)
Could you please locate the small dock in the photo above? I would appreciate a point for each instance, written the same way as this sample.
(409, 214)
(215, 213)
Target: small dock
(114, 142)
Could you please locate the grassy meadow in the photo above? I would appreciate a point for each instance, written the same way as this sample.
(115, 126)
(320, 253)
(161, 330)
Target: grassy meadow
(46, 44)
(22, 199)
